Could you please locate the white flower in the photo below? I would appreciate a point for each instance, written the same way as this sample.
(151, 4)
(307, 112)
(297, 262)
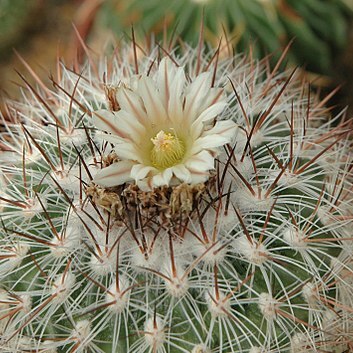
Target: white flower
(165, 131)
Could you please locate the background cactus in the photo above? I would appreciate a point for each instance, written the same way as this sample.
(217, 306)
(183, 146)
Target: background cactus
(254, 257)
(318, 27)
(15, 19)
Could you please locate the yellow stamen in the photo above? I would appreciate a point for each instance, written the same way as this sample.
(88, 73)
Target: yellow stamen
(168, 150)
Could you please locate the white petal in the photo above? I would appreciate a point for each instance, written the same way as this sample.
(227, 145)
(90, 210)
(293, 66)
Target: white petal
(145, 184)
(129, 124)
(140, 171)
(199, 166)
(157, 180)
(166, 72)
(211, 112)
(225, 128)
(116, 174)
(208, 143)
(182, 173)
(195, 131)
(175, 106)
(200, 162)
(167, 175)
(215, 94)
(171, 78)
(223, 132)
(152, 101)
(110, 138)
(131, 102)
(197, 178)
(107, 121)
(162, 178)
(196, 93)
(128, 151)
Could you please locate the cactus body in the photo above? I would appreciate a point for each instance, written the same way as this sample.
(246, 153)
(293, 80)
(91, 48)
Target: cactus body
(247, 248)
(319, 28)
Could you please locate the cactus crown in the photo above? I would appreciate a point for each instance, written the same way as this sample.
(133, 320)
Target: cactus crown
(235, 239)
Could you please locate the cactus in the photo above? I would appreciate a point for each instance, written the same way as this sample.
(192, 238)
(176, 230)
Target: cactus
(161, 200)
(319, 28)
(15, 20)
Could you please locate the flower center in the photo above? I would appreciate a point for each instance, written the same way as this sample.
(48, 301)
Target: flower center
(168, 150)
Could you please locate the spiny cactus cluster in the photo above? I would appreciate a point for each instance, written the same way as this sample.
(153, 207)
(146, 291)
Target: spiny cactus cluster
(175, 201)
(319, 27)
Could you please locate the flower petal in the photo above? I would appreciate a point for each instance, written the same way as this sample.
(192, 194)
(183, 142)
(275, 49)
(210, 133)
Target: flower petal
(196, 93)
(167, 175)
(197, 178)
(171, 81)
(152, 101)
(128, 151)
(130, 102)
(175, 106)
(182, 173)
(140, 171)
(129, 124)
(107, 121)
(109, 137)
(208, 142)
(200, 162)
(223, 132)
(211, 112)
(116, 174)
(166, 72)
(162, 178)
(225, 128)
(215, 94)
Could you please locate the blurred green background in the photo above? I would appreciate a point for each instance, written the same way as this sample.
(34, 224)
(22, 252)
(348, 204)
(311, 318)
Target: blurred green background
(41, 30)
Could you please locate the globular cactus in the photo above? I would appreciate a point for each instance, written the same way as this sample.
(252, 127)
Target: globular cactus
(319, 28)
(175, 201)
